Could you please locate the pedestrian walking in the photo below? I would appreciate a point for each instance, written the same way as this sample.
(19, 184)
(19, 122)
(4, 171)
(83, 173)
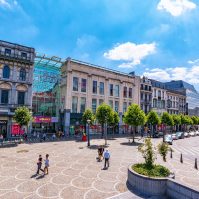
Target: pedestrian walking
(46, 164)
(106, 158)
(39, 164)
(44, 136)
(100, 153)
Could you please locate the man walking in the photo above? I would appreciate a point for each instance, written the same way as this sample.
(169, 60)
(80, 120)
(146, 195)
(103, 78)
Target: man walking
(39, 164)
(106, 157)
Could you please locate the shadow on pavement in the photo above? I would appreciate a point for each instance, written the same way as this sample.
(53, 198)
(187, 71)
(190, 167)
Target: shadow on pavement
(131, 143)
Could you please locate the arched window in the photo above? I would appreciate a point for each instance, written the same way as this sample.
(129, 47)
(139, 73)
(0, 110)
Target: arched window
(6, 72)
(22, 74)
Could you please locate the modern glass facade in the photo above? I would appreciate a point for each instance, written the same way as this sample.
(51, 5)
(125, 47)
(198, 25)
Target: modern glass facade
(191, 94)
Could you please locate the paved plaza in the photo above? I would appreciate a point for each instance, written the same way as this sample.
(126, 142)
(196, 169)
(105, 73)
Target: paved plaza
(75, 173)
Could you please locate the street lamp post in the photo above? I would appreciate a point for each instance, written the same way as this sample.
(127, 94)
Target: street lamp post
(88, 124)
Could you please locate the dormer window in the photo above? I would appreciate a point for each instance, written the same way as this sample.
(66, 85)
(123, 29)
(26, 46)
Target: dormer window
(7, 52)
(24, 55)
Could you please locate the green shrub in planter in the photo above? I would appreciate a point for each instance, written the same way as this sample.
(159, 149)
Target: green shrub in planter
(163, 149)
(151, 171)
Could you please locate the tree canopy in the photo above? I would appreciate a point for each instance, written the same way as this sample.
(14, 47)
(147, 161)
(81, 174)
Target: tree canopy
(167, 119)
(185, 119)
(176, 119)
(134, 116)
(195, 120)
(88, 115)
(116, 118)
(104, 114)
(153, 118)
(22, 116)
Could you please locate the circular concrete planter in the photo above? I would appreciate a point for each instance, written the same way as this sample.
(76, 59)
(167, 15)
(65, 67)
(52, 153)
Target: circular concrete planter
(146, 185)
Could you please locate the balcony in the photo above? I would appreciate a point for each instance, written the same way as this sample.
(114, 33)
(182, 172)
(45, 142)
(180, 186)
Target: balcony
(13, 56)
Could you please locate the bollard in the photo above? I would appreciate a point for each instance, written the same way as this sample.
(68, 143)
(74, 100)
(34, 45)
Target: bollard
(196, 164)
(181, 159)
(171, 154)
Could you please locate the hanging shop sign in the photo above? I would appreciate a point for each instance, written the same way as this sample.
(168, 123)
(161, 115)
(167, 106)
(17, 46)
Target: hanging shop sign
(45, 119)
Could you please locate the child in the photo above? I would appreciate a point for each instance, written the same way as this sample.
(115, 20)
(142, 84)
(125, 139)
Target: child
(46, 164)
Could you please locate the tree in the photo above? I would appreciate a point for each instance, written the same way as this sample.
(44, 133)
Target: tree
(104, 115)
(148, 152)
(167, 120)
(186, 120)
(153, 119)
(195, 120)
(163, 149)
(116, 120)
(88, 115)
(22, 116)
(134, 117)
(177, 121)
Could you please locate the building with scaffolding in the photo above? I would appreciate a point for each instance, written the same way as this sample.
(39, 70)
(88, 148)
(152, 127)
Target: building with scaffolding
(47, 103)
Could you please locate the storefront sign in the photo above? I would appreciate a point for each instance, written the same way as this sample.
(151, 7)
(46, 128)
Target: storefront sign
(16, 130)
(3, 122)
(45, 119)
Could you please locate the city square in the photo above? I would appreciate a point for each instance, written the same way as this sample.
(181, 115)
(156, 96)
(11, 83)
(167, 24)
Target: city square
(75, 173)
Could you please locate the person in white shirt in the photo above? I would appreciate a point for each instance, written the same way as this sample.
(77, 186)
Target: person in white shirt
(46, 164)
(106, 157)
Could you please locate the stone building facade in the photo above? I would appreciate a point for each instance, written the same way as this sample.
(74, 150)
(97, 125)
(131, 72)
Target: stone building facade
(16, 73)
(167, 100)
(85, 86)
(145, 94)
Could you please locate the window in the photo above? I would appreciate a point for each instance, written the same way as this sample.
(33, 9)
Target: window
(95, 87)
(111, 89)
(24, 55)
(101, 88)
(22, 74)
(82, 104)
(21, 97)
(75, 83)
(101, 101)
(149, 88)
(130, 92)
(124, 107)
(4, 96)
(94, 105)
(142, 96)
(8, 52)
(117, 91)
(74, 104)
(125, 91)
(111, 103)
(6, 72)
(145, 97)
(83, 85)
(141, 86)
(116, 106)
(146, 88)
(154, 92)
(159, 93)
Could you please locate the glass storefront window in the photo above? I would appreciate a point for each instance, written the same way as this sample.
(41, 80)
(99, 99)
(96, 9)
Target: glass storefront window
(124, 107)
(4, 96)
(95, 87)
(94, 105)
(83, 85)
(111, 89)
(74, 104)
(130, 92)
(82, 104)
(75, 83)
(101, 101)
(111, 103)
(117, 91)
(101, 88)
(125, 92)
(116, 106)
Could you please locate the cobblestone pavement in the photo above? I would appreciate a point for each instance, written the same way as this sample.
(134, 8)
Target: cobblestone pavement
(74, 171)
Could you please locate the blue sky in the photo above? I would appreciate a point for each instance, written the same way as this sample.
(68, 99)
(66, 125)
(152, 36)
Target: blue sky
(157, 38)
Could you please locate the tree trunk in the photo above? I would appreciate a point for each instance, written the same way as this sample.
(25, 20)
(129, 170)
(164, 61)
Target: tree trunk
(134, 134)
(102, 131)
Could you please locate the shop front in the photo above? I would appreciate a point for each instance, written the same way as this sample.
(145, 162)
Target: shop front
(3, 128)
(45, 124)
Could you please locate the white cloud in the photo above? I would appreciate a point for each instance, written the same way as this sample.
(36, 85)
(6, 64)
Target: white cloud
(5, 4)
(188, 74)
(176, 7)
(130, 52)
